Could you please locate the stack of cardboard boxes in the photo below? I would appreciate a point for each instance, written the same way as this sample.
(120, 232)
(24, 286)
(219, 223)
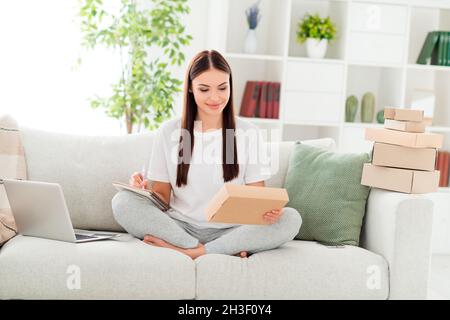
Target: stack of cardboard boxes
(403, 155)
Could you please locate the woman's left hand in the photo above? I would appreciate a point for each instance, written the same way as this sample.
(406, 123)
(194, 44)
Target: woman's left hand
(272, 216)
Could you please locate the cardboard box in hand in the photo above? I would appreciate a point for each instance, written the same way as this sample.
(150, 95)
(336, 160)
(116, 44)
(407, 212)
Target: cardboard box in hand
(242, 204)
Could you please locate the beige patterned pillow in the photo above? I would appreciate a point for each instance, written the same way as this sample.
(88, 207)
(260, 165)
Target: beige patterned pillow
(12, 165)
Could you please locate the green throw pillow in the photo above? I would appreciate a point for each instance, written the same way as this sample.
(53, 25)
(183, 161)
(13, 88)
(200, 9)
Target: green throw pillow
(325, 187)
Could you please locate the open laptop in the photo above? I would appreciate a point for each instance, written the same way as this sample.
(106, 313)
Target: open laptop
(40, 210)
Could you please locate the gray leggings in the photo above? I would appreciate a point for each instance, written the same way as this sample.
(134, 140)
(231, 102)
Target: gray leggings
(138, 216)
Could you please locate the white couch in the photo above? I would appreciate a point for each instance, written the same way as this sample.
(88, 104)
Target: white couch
(392, 262)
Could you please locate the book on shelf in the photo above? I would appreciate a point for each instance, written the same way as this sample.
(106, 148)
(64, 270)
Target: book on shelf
(448, 49)
(149, 194)
(261, 99)
(442, 164)
(446, 158)
(276, 100)
(445, 59)
(270, 101)
(428, 54)
(445, 49)
(258, 100)
(441, 49)
(436, 49)
(250, 99)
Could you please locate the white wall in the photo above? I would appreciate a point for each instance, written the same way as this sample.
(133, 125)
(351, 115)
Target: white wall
(40, 84)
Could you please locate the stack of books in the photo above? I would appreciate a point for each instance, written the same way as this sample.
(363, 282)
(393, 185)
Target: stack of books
(436, 49)
(403, 155)
(261, 99)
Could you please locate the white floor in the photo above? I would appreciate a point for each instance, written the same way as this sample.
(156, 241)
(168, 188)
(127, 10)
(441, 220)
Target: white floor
(439, 287)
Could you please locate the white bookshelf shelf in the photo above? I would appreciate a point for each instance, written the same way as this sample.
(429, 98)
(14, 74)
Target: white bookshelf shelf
(287, 122)
(428, 67)
(362, 125)
(438, 129)
(318, 124)
(254, 56)
(262, 120)
(303, 59)
(374, 64)
(444, 189)
(379, 125)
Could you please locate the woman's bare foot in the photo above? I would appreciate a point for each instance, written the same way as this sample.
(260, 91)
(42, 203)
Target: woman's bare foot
(242, 254)
(193, 253)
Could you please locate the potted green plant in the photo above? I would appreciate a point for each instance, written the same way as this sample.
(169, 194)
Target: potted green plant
(316, 32)
(149, 41)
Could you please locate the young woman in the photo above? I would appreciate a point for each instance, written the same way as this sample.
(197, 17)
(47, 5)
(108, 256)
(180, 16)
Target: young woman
(192, 158)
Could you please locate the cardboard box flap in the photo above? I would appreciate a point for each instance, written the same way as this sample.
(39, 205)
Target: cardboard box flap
(407, 139)
(244, 191)
(430, 139)
(407, 126)
(403, 114)
(216, 202)
(242, 204)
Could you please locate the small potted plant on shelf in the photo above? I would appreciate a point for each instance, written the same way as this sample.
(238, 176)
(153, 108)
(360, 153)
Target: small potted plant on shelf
(317, 32)
(253, 18)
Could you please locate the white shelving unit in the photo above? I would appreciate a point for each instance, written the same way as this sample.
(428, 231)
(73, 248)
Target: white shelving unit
(378, 42)
(375, 51)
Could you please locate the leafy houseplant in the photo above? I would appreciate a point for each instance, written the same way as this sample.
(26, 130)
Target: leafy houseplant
(317, 32)
(149, 41)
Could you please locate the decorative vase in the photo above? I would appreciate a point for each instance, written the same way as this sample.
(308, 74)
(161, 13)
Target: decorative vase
(367, 107)
(351, 106)
(316, 48)
(380, 116)
(250, 41)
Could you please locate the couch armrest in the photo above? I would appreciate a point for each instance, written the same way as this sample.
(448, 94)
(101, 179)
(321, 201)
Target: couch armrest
(398, 227)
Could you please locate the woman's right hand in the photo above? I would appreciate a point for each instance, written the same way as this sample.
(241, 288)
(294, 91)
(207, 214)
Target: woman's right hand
(138, 181)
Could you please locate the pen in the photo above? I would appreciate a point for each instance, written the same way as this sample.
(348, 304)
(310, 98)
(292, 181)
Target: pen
(144, 174)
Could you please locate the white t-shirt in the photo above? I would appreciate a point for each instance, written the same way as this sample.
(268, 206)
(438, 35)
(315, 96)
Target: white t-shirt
(205, 176)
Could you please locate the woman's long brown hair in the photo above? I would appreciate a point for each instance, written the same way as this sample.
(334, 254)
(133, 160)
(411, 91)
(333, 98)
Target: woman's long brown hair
(202, 62)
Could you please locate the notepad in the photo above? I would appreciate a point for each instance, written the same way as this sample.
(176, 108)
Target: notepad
(152, 196)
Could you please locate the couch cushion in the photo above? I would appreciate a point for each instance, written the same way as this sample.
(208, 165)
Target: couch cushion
(126, 268)
(296, 270)
(85, 166)
(325, 188)
(281, 152)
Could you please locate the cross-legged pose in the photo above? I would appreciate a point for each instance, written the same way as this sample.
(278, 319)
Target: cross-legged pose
(192, 158)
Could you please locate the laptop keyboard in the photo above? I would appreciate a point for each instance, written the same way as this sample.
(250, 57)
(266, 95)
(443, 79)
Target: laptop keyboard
(83, 237)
